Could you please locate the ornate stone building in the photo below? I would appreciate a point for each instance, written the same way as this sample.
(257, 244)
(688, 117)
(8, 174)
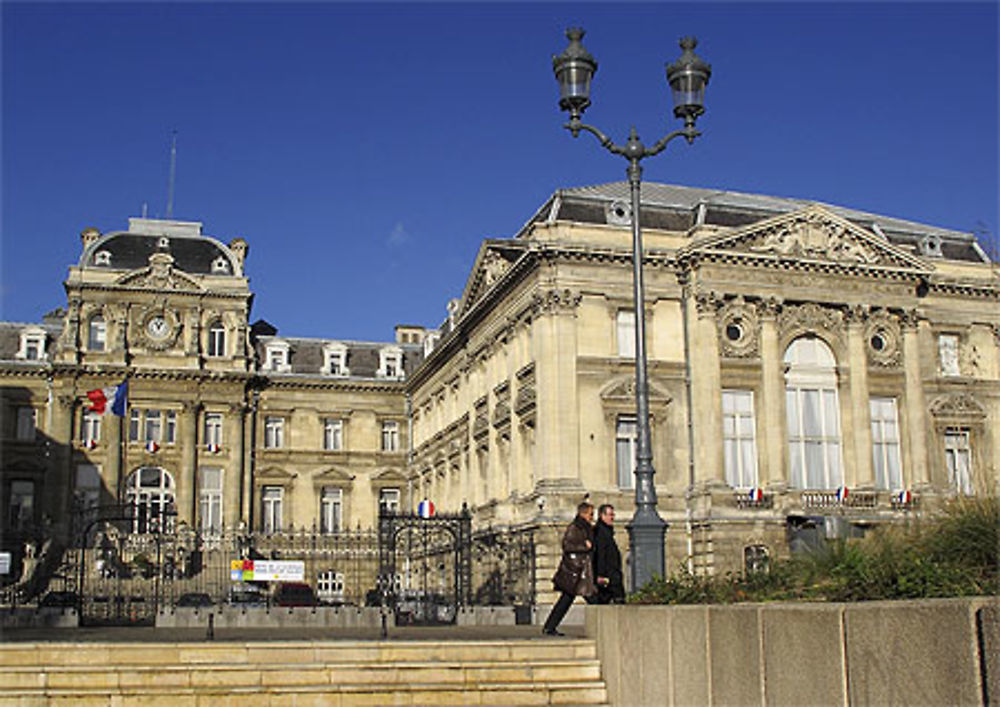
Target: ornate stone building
(813, 370)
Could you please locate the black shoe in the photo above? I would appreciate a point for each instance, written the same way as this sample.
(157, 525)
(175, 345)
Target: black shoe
(552, 632)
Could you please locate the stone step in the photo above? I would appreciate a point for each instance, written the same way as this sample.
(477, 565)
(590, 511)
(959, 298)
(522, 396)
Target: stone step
(353, 695)
(204, 675)
(289, 653)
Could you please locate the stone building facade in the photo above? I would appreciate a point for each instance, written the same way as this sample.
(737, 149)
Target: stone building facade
(814, 370)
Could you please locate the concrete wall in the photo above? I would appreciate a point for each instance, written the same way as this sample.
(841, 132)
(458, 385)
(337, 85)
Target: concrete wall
(928, 652)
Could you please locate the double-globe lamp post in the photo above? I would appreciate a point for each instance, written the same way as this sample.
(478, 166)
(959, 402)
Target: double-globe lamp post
(687, 76)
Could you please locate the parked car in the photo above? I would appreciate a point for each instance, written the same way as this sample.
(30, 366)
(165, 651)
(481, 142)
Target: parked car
(60, 598)
(295, 594)
(195, 599)
(247, 594)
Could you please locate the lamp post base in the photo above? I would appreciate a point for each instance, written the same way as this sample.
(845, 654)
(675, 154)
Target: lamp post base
(646, 533)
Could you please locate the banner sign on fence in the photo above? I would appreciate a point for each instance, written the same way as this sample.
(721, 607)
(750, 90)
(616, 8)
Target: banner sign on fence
(267, 570)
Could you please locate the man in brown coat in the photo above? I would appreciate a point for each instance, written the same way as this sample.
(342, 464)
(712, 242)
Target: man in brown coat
(575, 576)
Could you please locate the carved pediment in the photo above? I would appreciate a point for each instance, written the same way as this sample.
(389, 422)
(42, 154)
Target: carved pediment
(274, 475)
(333, 477)
(388, 476)
(160, 275)
(959, 407)
(813, 234)
(623, 391)
(491, 266)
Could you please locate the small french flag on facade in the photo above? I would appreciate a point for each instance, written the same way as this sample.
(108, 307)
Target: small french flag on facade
(90, 444)
(214, 448)
(756, 494)
(152, 446)
(842, 494)
(112, 399)
(425, 509)
(904, 497)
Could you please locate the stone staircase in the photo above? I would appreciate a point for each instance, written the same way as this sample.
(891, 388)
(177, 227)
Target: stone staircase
(332, 674)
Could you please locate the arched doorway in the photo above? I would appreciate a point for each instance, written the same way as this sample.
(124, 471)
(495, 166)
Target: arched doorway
(150, 491)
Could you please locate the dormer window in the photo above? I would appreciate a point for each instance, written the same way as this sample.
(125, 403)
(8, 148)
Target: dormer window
(276, 357)
(32, 345)
(390, 363)
(216, 339)
(430, 341)
(220, 266)
(335, 360)
(102, 257)
(163, 243)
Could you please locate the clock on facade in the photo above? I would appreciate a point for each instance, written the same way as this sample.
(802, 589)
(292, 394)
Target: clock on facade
(157, 327)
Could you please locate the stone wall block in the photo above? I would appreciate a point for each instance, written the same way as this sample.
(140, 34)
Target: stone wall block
(734, 655)
(803, 654)
(689, 648)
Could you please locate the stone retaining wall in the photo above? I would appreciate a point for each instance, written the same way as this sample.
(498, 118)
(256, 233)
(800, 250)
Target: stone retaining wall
(927, 652)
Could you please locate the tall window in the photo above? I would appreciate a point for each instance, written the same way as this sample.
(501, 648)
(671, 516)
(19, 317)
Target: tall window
(333, 434)
(216, 339)
(154, 426)
(213, 429)
(625, 333)
(390, 436)
(885, 444)
(21, 507)
(271, 500)
(813, 415)
(171, 430)
(134, 424)
(388, 500)
(90, 428)
(150, 491)
(958, 459)
(739, 439)
(330, 586)
(87, 492)
(97, 334)
(210, 501)
(274, 432)
(25, 423)
(331, 508)
(626, 439)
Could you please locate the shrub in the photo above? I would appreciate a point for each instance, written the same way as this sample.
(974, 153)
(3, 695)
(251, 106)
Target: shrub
(956, 553)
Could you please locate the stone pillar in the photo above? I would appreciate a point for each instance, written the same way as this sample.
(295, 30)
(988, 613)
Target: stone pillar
(706, 390)
(558, 404)
(772, 404)
(187, 484)
(860, 411)
(58, 490)
(232, 474)
(915, 406)
(114, 431)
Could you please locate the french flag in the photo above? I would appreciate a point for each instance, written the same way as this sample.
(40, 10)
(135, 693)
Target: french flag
(113, 399)
(90, 444)
(842, 494)
(904, 497)
(214, 448)
(425, 509)
(756, 494)
(152, 446)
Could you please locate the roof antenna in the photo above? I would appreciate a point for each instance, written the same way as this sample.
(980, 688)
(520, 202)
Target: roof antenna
(173, 174)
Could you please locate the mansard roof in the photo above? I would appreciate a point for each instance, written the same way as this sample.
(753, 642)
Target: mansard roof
(192, 251)
(306, 355)
(679, 208)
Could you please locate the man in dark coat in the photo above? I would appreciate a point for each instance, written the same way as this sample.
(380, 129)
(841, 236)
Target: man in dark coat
(575, 576)
(607, 559)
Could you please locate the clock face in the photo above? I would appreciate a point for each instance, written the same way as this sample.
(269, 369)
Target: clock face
(157, 327)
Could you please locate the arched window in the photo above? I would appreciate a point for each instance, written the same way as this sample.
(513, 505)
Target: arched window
(216, 339)
(97, 334)
(150, 491)
(813, 415)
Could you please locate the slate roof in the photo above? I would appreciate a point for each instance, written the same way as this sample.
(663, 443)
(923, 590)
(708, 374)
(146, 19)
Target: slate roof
(674, 207)
(192, 251)
(10, 338)
(306, 355)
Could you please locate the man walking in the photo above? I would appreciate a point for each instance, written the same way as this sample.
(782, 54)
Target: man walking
(575, 574)
(607, 559)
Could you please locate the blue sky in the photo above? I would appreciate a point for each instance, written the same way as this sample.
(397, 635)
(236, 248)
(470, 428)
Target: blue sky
(365, 150)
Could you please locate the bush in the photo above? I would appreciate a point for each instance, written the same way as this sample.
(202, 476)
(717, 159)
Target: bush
(957, 553)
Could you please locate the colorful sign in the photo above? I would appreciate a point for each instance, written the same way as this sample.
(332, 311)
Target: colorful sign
(267, 570)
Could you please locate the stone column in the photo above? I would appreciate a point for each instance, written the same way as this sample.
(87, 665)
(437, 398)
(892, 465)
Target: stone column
(915, 404)
(187, 484)
(232, 474)
(114, 431)
(772, 404)
(58, 491)
(706, 384)
(860, 411)
(556, 376)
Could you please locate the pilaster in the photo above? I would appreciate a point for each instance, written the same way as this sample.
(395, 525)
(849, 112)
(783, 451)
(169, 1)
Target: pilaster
(772, 404)
(857, 361)
(706, 385)
(233, 472)
(916, 406)
(187, 496)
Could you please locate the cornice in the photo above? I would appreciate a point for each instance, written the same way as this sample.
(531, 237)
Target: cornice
(186, 294)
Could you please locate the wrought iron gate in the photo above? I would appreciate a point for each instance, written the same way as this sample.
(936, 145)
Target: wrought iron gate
(425, 566)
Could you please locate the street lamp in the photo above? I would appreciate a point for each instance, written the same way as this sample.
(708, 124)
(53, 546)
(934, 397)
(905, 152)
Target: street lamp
(688, 76)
